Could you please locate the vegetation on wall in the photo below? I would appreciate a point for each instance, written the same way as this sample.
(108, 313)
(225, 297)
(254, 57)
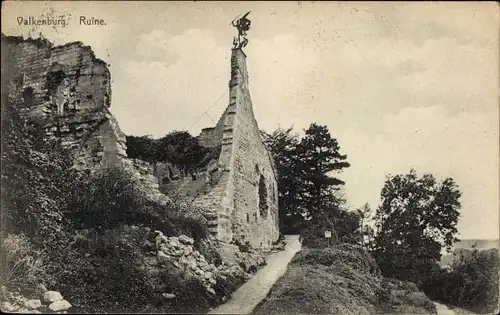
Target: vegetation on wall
(64, 230)
(177, 147)
(37, 179)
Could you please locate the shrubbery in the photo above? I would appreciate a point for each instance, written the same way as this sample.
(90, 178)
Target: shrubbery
(22, 266)
(344, 254)
(472, 282)
(75, 241)
(111, 197)
(117, 271)
(178, 147)
(37, 180)
(344, 225)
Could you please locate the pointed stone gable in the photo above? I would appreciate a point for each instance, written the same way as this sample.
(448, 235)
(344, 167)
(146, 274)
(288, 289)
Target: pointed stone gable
(244, 204)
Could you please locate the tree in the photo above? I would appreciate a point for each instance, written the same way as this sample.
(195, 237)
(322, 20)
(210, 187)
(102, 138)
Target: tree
(365, 214)
(307, 191)
(283, 144)
(319, 156)
(143, 147)
(182, 150)
(417, 217)
(470, 282)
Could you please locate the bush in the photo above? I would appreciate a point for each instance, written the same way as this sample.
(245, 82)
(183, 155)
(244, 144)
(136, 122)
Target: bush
(471, 283)
(336, 256)
(111, 197)
(37, 179)
(112, 271)
(178, 147)
(313, 235)
(23, 268)
(344, 225)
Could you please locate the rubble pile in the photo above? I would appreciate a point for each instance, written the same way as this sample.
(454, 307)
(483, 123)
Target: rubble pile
(181, 253)
(49, 302)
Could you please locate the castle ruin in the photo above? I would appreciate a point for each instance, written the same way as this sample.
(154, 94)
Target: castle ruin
(67, 90)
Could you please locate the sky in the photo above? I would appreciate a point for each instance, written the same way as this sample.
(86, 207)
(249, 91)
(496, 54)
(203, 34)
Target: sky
(401, 85)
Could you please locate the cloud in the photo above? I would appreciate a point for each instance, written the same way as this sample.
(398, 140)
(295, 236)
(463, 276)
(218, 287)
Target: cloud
(431, 141)
(159, 96)
(400, 85)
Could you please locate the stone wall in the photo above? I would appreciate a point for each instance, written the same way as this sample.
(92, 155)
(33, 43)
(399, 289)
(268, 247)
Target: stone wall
(67, 90)
(255, 214)
(211, 137)
(244, 203)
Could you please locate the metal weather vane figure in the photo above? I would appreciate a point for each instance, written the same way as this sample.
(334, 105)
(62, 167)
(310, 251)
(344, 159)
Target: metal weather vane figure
(243, 25)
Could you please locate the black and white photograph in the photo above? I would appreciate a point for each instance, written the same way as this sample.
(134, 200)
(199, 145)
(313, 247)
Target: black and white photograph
(250, 157)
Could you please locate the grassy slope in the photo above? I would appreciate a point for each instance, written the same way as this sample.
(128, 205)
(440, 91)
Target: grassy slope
(339, 280)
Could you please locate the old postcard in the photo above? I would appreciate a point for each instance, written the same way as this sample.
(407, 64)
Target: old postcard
(250, 157)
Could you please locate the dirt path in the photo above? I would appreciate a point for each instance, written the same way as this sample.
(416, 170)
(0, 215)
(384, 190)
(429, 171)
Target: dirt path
(443, 309)
(244, 300)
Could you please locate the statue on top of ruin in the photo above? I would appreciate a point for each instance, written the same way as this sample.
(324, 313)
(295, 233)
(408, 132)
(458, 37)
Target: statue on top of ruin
(243, 25)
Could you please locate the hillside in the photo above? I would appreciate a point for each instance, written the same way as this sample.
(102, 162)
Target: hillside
(343, 279)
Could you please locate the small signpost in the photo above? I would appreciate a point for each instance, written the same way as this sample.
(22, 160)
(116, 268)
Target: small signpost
(328, 236)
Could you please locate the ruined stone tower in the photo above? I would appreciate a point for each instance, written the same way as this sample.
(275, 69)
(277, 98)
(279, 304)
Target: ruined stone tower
(244, 203)
(67, 90)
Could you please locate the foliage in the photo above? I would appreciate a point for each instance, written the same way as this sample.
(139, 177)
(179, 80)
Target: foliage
(319, 155)
(343, 253)
(344, 225)
(305, 166)
(417, 217)
(182, 150)
(472, 282)
(37, 179)
(93, 269)
(178, 147)
(367, 232)
(282, 144)
(110, 197)
(143, 148)
(22, 266)
(343, 279)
